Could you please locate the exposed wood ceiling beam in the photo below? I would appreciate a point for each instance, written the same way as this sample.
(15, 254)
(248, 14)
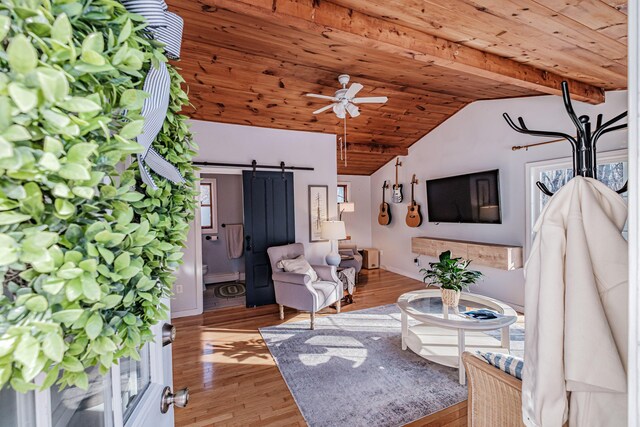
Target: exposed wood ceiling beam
(269, 40)
(521, 30)
(377, 149)
(344, 25)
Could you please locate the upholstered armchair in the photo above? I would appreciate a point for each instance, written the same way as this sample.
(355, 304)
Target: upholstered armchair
(352, 251)
(297, 290)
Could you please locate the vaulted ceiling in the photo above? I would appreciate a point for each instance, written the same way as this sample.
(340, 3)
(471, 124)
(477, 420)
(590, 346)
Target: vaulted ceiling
(251, 61)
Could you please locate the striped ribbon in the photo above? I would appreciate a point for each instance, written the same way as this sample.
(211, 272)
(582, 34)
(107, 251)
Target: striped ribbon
(166, 27)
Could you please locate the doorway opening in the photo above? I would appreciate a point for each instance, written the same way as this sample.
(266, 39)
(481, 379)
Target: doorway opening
(222, 239)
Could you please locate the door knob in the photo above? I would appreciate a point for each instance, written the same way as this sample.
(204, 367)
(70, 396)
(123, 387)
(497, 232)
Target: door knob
(168, 334)
(248, 239)
(180, 398)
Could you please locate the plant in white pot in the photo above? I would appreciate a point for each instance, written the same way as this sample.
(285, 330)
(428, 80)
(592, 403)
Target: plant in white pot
(452, 275)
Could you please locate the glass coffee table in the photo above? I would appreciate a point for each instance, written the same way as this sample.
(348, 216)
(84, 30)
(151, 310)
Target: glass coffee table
(441, 334)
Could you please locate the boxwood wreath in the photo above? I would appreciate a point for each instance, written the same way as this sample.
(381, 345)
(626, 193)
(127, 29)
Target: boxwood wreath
(87, 252)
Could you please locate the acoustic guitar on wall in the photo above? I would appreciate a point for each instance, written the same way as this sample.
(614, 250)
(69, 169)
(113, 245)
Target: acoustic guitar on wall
(396, 197)
(384, 216)
(414, 217)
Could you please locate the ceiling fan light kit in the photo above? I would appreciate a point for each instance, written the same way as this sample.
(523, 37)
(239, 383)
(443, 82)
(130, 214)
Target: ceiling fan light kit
(343, 102)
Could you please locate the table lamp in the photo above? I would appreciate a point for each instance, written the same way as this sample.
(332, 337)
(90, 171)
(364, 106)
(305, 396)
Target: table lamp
(333, 231)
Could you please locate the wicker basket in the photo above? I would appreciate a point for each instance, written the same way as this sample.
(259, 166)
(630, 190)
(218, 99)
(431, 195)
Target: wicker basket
(450, 297)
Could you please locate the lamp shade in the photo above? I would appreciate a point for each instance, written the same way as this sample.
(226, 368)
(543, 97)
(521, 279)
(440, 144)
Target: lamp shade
(347, 207)
(333, 230)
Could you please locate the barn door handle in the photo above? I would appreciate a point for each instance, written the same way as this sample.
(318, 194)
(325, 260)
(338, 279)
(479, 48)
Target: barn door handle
(248, 238)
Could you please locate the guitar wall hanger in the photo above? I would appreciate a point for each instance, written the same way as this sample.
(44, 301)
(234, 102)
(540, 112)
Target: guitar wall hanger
(583, 146)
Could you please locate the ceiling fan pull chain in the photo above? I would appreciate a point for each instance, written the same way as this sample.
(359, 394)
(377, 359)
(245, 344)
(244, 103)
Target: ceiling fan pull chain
(340, 146)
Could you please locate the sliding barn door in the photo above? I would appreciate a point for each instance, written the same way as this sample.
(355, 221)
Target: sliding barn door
(269, 221)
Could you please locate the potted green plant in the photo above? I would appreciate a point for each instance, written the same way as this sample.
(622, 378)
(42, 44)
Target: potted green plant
(452, 275)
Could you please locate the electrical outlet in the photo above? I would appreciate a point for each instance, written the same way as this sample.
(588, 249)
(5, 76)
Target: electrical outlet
(178, 289)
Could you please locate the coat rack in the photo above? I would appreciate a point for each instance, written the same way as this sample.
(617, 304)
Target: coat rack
(583, 146)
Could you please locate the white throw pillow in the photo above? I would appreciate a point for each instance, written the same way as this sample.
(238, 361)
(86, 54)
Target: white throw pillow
(298, 265)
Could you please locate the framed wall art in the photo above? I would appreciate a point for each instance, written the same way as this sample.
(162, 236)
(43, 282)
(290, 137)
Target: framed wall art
(318, 211)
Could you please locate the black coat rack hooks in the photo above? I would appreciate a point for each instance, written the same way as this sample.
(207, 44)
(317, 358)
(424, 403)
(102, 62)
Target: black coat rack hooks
(583, 146)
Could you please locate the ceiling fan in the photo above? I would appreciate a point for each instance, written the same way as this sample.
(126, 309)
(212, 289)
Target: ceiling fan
(344, 100)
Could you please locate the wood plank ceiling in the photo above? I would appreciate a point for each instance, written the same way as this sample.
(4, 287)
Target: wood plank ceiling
(251, 61)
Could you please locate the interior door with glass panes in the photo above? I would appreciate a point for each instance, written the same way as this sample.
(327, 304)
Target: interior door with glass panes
(134, 393)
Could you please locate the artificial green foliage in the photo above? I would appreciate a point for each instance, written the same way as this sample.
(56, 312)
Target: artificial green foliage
(450, 273)
(87, 252)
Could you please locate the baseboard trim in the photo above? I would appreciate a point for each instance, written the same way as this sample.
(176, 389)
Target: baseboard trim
(415, 276)
(186, 313)
(211, 278)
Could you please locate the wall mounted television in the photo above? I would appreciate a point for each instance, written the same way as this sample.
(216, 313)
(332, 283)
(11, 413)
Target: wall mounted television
(469, 198)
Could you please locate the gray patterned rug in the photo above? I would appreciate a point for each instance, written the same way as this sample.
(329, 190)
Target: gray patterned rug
(351, 371)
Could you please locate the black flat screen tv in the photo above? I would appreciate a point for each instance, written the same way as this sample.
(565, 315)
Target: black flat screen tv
(470, 198)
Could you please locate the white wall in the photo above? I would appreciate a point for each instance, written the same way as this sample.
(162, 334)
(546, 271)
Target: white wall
(226, 143)
(358, 223)
(477, 138)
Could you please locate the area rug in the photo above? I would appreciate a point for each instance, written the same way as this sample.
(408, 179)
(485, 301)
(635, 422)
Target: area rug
(351, 371)
(230, 290)
(220, 295)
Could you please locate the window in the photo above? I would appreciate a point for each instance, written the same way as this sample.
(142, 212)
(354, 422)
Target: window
(208, 206)
(135, 377)
(612, 171)
(17, 409)
(342, 193)
(74, 407)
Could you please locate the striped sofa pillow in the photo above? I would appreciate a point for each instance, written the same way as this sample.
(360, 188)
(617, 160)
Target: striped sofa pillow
(512, 365)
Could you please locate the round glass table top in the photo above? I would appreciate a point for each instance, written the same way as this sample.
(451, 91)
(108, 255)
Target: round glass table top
(426, 306)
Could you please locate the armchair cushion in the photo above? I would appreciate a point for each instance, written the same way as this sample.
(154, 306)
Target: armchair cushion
(298, 265)
(327, 293)
(326, 272)
(295, 278)
(512, 365)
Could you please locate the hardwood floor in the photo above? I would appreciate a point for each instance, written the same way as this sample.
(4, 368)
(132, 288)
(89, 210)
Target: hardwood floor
(232, 378)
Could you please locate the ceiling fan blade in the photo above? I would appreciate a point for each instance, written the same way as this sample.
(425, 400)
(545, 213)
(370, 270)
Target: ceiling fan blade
(317, 95)
(370, 100)
(353, 110)
(353, 90)
(323, 109)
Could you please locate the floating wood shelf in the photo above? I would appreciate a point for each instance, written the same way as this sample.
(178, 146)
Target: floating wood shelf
(503, 257)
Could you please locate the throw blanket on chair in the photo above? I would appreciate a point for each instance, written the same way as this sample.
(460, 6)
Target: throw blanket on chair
(576, 295)
(348, 279)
